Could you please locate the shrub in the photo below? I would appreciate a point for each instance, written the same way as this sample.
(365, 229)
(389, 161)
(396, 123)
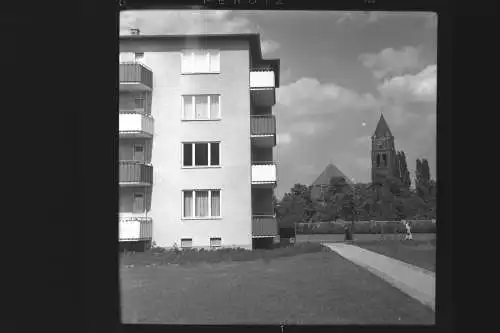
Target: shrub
(422, 226)
(363, 227)
(191, 256)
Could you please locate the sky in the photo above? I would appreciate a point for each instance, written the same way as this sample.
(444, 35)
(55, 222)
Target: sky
(338, 72)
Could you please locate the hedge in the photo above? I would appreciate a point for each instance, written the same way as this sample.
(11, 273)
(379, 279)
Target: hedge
(367, 227)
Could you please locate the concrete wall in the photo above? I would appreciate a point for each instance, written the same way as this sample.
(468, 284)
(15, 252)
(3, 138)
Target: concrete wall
(233, 131)
(125, 151)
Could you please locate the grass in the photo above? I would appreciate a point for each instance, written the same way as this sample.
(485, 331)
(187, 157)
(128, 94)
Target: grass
(419, 252)
(310, 288)
(160, 257)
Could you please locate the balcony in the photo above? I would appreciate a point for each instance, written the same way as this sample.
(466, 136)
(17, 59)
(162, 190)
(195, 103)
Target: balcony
(135, 229)
(133, 173)
(264, 226)
(263, 174)
(263, 131)
(262, 87)
(135, 77)
(136, 125)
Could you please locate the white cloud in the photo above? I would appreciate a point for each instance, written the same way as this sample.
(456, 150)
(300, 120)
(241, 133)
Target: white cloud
(367, 17)
(285, 75)
(344, 16)
(308, 127)
(158, 22)
(183, 22)
(269, 46)
(420, 87)
(309, 96)
(390, 62)
(284, 138)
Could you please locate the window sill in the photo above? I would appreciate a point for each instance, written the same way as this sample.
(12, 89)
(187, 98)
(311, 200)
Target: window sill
(200, 218)
(202, 167)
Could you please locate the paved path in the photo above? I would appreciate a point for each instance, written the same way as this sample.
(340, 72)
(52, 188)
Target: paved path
(414, 281)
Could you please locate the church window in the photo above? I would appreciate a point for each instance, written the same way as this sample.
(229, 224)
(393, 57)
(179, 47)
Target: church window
(384, 157)
(378, 160)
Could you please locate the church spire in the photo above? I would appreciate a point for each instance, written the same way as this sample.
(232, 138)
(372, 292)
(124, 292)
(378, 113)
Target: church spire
(382, 127)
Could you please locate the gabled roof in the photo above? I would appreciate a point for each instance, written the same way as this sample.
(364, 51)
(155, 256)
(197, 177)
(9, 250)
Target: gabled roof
(382, 128)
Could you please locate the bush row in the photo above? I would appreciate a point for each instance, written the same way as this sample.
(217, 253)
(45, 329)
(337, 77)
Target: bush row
(163, 256)
(367, 227)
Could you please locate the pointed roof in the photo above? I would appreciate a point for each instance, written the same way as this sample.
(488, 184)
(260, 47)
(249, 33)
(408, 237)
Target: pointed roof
(382, 128)
(327, 174)
(324, 179)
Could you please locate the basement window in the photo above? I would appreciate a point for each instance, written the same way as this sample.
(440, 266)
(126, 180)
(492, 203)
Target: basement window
(186, 243)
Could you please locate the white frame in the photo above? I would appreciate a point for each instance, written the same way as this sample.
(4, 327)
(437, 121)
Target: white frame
(143, 151)
(191, 53)
(186, 238)
(193, 99)
(209, 205)
(193, 152)
(210, 242)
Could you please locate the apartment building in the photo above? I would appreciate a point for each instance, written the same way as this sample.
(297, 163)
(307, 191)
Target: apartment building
(197, 134)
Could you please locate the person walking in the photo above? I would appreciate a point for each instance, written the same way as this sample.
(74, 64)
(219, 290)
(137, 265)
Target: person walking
(408, 235)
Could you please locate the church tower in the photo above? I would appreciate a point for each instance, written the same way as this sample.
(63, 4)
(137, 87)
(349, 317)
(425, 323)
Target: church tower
(383, 151)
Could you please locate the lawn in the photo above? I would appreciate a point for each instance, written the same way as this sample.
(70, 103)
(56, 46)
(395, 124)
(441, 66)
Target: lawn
(419, 252)
(310, 288)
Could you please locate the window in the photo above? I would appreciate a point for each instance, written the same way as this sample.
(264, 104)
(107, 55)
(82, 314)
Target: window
(138, 153)
(202, 154)
(138, 203)
(201, 204)
(201, 107)
(384, 158)
(215, 242)
(139, 102)
(186, 243)
(200, 61)
(378, 160)
(139, 56)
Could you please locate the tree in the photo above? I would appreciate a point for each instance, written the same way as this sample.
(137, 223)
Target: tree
(402, 172)
(296, 206)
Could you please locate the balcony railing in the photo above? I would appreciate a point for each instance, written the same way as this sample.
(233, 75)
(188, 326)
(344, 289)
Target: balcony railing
(135, 77)
(264, 226)
(133, 173)
(263, 125)
(262, 87)
(134, 124)
(135, 229)
(263, 173)
(263, 131)
(262, 79)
